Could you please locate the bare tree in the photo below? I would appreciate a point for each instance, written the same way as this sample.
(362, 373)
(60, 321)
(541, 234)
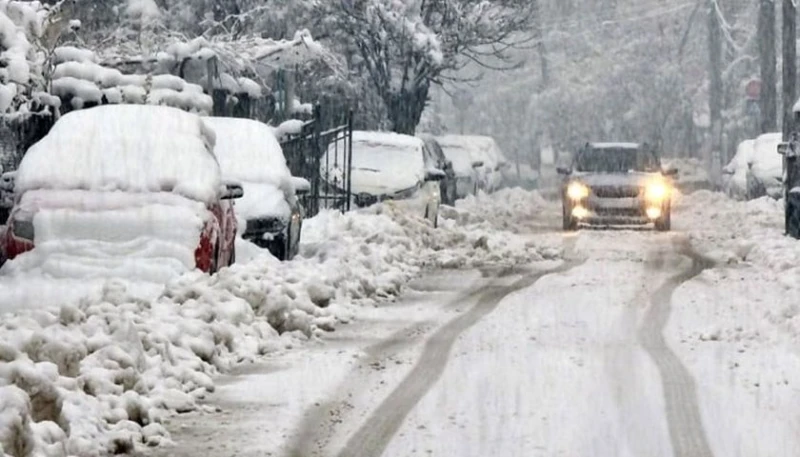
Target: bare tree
(405, 47)
(789, 65)
(715, 73)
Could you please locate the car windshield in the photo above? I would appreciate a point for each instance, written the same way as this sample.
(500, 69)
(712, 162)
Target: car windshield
(616, 160)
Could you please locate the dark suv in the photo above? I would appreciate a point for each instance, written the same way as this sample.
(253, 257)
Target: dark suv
(617, 183)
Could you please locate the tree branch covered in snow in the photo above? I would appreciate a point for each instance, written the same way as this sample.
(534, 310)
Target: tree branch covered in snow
(405, 47)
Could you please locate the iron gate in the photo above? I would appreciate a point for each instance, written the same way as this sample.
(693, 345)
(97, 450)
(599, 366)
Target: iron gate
(324, 158)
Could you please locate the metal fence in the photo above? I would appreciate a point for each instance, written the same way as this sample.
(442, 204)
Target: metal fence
(324, 158)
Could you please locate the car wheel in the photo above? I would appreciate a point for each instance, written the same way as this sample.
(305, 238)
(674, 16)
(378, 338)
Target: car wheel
(664, 224)
(569, 223)
(232, 258)
(214, 260)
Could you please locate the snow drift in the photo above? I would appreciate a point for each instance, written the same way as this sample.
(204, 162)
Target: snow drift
(102, 373)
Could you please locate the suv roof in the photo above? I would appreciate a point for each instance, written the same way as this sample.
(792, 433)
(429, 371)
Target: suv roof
(614, 145)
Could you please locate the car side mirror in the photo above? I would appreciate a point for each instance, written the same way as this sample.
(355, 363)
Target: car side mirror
(563, 171)
(301, 185)
(477, 164)
(232, 191)
(434, 174)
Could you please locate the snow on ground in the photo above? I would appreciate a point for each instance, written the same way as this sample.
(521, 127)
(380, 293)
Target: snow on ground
(101, 373)
(737, 326)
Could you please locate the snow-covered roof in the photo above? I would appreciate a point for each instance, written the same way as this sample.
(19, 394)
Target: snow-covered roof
(131, 148)
(384, 162)
(248, 150)
(614, 145)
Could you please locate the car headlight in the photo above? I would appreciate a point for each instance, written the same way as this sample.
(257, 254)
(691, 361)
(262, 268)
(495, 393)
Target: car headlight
(656, 191)
(577, 191)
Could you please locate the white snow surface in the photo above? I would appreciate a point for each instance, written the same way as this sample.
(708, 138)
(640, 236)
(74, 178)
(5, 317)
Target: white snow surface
(384, 163)
(101, 373)
(737, 326)
(121, 147)
(248, 150)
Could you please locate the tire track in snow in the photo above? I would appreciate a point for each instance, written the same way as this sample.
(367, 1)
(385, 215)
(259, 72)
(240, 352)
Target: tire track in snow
(383, 423)
(686, 431)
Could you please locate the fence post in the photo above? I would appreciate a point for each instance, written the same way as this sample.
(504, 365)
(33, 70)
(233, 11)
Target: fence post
(349, 165)
(316, 150)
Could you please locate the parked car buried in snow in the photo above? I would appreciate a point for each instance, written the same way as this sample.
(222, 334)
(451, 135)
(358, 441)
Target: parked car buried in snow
(477, 160)
(121, 190)
(390, 166)
(269, 214)
(616, 183)
(435, 158)
(755, 170)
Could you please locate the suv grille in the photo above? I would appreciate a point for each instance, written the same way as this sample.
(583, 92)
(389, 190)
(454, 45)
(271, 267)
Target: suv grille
(616, 191)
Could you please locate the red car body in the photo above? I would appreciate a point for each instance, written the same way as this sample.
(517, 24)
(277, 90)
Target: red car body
(215, 245)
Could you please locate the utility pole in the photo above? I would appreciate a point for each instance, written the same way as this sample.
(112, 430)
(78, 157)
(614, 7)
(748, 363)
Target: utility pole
(716, 88)
(768, 61)
(789, 66)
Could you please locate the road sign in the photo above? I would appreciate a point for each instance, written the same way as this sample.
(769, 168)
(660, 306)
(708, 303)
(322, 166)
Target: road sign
(753, 89)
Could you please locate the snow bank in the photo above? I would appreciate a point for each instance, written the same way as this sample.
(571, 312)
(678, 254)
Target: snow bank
(101, 374)
(735, 232)
(123, 147)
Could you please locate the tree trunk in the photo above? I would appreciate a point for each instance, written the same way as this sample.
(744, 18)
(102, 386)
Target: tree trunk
(715, 73)
(789, 66)
(767, 58)
(405, 108)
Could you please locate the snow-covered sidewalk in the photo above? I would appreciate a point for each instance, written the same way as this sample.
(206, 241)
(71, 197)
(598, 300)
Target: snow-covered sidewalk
(101, 373)
(737, 325)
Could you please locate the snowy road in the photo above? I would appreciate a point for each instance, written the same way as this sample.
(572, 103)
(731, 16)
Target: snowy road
(560, 359)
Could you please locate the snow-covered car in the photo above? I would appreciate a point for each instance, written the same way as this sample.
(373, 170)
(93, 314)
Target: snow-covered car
(120, 190)
(617, 183)
(391, 166)
(435, 158)
(477, 160)
(755, 170)
(269, 214)
(734, 174)
(765, 168)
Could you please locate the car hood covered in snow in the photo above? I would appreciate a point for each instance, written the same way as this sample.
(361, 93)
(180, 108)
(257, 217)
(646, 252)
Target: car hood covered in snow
(84, 234)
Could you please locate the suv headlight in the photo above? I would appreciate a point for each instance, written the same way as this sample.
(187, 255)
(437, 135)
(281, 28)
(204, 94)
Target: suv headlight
(656, 192)
(577, 191)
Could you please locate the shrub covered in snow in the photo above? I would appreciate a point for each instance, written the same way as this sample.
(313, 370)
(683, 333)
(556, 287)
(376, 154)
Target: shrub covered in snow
(102, 374)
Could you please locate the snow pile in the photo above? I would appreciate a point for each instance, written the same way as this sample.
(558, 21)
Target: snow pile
(79, 79)
(101, 374)
(123, 147)
(692, 174)
(503, 210)
(730, 231)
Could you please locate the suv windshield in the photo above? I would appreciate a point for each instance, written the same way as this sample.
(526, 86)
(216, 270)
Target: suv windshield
(616, 160)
